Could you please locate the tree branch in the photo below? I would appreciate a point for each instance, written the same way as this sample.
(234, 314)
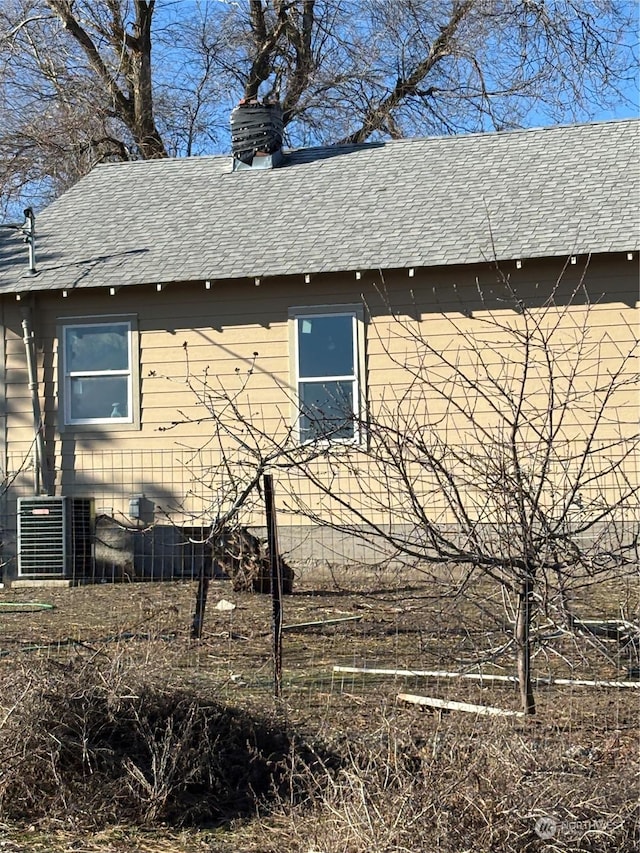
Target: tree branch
(377, 116)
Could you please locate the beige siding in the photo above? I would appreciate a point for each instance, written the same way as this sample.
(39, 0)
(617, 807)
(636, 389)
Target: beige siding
(223, 328)
(3, 406)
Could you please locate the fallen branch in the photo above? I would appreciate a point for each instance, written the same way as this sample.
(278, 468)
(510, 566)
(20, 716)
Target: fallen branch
(448, 705)
(479, 676)
(321, 622)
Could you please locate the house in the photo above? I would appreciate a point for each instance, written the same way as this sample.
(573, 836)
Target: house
(152, 294)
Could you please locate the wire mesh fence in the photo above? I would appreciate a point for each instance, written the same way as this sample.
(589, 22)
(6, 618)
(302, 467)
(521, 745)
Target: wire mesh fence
(132, 537)
(404, 669)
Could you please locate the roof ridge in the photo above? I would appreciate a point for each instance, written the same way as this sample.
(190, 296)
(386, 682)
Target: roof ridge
(513, 131)
(408, 140)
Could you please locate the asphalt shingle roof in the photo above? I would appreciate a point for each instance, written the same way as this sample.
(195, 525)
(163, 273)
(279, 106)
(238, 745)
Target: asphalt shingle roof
(422, 202)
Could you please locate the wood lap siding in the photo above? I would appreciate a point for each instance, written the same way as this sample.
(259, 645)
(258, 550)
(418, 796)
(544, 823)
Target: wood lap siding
(224, 326)
(3, 407)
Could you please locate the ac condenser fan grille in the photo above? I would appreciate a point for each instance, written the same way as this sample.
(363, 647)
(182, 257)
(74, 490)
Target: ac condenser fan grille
(54, 536)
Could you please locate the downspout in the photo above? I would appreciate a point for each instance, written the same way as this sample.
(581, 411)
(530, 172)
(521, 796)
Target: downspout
(40, 469)
(40, 472)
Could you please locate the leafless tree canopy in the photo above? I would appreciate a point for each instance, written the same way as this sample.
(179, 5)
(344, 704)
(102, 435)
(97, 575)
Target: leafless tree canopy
(87, 81)
(507, 447)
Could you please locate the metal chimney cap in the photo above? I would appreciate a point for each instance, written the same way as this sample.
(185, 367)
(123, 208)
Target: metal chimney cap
(256, 132)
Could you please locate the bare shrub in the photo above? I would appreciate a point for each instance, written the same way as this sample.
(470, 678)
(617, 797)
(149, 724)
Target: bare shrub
(92, 746)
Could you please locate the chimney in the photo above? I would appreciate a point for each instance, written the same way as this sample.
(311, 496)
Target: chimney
(256, 135)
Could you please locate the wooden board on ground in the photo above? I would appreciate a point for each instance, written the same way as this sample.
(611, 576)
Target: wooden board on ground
(449, 705)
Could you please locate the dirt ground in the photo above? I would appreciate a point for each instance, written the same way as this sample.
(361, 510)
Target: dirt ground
(376, 621)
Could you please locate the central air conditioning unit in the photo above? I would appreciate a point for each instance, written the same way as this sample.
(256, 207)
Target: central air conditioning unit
(55, 537)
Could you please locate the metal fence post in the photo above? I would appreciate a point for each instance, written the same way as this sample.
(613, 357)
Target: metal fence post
(276, 582)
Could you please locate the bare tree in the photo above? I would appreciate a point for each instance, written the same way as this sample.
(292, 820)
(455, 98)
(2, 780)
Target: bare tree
(237, 440)
(350, 70)
(83, 81)
(123, 66)
(510, 448)
(506, 446)
(68, 103)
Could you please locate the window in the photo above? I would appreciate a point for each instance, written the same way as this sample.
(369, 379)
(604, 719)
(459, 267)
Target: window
(328, 355)
(97, 372)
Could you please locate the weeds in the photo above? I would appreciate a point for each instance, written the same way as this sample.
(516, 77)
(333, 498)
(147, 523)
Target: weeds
(472, 785)
(91, 746)
(132, 738)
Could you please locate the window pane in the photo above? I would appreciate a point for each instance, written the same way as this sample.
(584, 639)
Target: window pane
(326, 410)
(99, 397)
(103, 347)
(325, 346)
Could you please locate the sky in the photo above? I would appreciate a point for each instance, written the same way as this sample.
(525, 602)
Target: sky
(214, 135)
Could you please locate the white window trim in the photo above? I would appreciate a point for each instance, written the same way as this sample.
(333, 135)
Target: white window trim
(301, 312)
(132, 422)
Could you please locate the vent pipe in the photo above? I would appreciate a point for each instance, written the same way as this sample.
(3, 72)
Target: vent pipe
(256, 135)
(28, 229)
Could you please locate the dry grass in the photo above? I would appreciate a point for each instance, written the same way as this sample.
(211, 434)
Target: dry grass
(119, 734)
(90, 744)
(471, 785)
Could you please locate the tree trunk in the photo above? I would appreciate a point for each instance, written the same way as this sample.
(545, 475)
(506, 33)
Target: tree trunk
(201, 603)
(144, 128)
(522, 630)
